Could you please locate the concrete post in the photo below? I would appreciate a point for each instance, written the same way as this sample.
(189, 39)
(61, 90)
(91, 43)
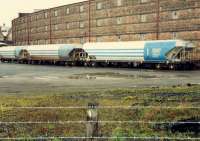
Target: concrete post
(92, 122)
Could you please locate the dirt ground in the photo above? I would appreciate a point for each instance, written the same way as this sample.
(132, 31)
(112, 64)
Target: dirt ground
(20, 79)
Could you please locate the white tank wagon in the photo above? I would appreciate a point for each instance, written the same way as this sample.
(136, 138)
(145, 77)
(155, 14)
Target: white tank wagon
(7, 53)
(13, 53)
(137, 53)
(55, 53)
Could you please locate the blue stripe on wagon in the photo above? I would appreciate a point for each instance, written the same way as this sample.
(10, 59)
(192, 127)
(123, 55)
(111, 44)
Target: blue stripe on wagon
(156, 51)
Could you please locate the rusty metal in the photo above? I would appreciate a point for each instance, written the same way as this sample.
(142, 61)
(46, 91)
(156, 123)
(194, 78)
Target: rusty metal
(158, 20)
(28, 29)
(50, 27)
(89, 20)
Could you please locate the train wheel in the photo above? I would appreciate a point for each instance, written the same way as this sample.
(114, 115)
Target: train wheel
(158, 66)
(85, 64)
(93, 64)
(32, 62)
(135, 64)
(71, 64)
(172, 66)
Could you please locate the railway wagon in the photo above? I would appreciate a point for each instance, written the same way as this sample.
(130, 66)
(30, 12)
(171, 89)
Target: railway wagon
(138, 53)
(53, 53)
(7, 53)
(12, 53)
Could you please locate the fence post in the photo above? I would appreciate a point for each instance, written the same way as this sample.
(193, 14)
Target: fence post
(92, 122)
(1, 111)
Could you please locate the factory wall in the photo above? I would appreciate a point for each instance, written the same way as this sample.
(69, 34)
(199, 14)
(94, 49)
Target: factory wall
(110, 20)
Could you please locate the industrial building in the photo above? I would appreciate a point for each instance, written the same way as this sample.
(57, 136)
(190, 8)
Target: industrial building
(110, 20)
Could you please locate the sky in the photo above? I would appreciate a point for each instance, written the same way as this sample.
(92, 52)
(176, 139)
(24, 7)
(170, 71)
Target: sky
(9, 9)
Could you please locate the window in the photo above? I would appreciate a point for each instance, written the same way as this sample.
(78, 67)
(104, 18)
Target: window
(46, 28)
(32, 18)
(36, 17)
(46, 41)
(45, 15)
(119, 20)
(119, 2)
(56, 13)
(174, 35)
(81, 24)
(67, 11)
(99, 23)
(144, 1)
(143, 18)
(32, 30)
(56, 27)
(189, 10)
(119, 38)
(174, 15)
(82, 41)
(98, 39)
(99, 6)
(142, 36)
(81, 8)
(68, 25)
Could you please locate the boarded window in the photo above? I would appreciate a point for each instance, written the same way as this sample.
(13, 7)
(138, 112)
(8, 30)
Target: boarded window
(67, 11)
(99, 39)
(81, 8)
(119, 38)
(119, 20)
(174, 35)
(81, 24)
(144, 1)
(142, 36)
(82, 40)
(99, 6)
(143, 18)
(67, 25)
(45, 15)
(55, 27)
(119, 2)
(99, 23)
(174, 15)
(56, 13)
(46, 28)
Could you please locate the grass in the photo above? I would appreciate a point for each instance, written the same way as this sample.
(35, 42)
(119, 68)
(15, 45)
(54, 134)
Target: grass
(177, 96)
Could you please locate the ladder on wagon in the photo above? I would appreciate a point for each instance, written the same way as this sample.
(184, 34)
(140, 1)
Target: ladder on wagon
(190, 55)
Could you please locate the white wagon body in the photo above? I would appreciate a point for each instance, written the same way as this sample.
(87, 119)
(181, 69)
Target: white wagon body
(133, 51)
(8, 52)
(51, 52)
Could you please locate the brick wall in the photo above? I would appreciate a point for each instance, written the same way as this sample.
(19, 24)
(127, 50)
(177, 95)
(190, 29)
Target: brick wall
(110, 20)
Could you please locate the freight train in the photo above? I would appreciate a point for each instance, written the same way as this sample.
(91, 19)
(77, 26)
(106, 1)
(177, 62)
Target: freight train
(171, 54)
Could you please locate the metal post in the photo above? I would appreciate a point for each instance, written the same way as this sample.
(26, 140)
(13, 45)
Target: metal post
(158, 20)
(89, 20)
(92, 122)
(28, 29)
(50, 27)
(1, 111)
